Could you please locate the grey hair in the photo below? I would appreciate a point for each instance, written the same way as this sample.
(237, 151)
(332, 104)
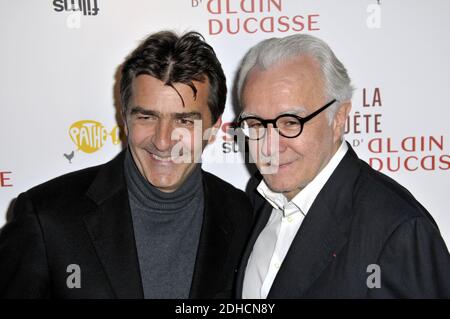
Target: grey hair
(277, 50)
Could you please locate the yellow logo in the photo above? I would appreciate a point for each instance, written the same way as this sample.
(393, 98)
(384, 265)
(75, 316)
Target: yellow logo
(89, 136)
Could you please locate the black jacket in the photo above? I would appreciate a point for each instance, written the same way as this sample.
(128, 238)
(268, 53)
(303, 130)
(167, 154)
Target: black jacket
(84, 218)
(360, 217)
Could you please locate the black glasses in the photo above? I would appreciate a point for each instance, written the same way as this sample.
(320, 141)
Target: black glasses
(288, 125)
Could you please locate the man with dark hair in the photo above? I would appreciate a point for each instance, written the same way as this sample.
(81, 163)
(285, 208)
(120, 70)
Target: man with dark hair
(150, 223)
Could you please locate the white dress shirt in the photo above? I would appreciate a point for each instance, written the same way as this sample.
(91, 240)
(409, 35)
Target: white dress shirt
(273, 242)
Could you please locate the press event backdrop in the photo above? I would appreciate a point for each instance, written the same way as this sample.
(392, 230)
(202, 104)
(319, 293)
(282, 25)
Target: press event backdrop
(59, 62)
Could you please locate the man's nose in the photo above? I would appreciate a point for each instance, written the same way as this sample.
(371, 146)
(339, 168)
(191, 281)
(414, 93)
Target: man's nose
(270, 141)
(162, 137)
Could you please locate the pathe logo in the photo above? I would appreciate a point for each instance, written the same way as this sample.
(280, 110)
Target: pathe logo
(89, 136)
(87, 7)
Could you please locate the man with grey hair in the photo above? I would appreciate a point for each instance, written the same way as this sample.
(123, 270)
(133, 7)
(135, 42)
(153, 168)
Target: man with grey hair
(328, 225)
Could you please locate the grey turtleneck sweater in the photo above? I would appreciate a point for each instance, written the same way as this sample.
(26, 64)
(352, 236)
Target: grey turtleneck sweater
(167, 230)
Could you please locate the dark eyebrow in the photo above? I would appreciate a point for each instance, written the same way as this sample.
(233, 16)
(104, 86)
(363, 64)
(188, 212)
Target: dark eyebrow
(140, 110)
(195, 115)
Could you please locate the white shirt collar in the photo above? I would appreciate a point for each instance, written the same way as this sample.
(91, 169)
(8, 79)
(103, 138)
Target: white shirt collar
(305, 198)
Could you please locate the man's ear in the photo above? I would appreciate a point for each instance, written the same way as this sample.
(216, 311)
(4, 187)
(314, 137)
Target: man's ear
(339, 120)
(214, 129)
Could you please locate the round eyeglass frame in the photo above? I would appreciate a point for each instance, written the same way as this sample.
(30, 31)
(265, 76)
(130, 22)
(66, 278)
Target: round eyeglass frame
(265, 123)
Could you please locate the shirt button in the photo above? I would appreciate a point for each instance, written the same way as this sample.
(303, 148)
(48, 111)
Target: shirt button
(276, 265)
(290, 219)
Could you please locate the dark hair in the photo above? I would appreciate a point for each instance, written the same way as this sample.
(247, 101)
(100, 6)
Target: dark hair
(174, 59)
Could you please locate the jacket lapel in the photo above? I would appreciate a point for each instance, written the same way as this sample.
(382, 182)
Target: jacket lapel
(213, 244)
(313, 248)
(111, 230)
